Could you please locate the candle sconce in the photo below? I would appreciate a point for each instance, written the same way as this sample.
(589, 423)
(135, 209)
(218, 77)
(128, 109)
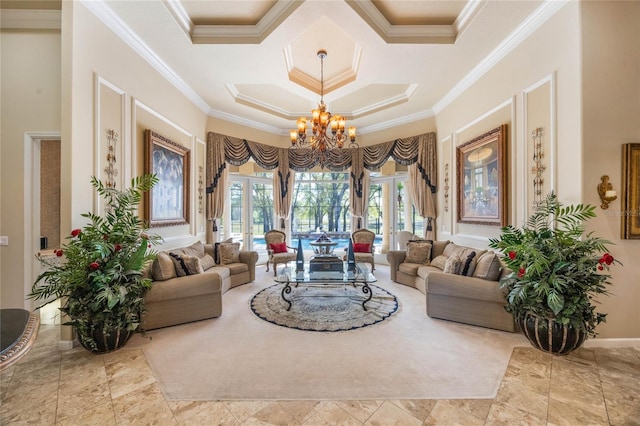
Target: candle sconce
(606, 192)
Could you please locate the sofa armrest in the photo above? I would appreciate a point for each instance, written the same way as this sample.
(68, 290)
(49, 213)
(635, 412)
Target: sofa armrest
(395, 258)
(250, 258)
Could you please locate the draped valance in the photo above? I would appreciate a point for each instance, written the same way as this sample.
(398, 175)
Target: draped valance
(418, 152)
(403, 151)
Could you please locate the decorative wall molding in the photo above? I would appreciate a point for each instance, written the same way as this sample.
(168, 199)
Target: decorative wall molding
(25, 19)
(538, 166)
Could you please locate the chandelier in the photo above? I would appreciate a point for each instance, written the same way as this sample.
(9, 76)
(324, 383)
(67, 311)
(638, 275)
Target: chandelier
(328, 130)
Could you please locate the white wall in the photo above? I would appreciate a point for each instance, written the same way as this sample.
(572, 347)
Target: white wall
(611, 117)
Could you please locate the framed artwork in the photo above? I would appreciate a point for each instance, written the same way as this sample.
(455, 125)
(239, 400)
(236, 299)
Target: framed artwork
(481, 172)
(167, 203)
(631, 191)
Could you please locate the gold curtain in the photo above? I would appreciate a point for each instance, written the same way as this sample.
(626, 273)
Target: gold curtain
(423, 176)
(283, 181)
(216, 175)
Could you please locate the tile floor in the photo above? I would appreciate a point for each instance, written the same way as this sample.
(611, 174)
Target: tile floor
(47, 387)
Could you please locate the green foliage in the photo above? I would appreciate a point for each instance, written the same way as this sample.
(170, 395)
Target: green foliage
(558, 270)
(100, 277)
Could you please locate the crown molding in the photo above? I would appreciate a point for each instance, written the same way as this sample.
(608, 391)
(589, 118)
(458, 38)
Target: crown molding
(180, 15)
(422, 115)
(24, 19)
(245, 34)
(513, 40)
(426, 34)
(386, 103)
(245, 122)
(105, 14)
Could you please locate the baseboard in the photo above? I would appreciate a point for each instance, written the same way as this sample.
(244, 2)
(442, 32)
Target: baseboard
(613, 343)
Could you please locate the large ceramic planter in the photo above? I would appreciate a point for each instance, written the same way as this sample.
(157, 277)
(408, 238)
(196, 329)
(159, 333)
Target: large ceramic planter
(106, 340)
(549, 336)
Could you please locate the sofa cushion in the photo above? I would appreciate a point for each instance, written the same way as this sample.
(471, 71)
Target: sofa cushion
(229, 253)
(196, 249)
(207, 262)
(418, 252)
(236, 268)
(437, 248)
(488, 267)
(439, 261)
(423, 270)
(409, 268)
(162, 268)
(452, 265)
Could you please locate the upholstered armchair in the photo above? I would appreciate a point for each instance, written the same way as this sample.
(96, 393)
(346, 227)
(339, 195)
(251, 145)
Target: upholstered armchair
(277, 249)
(404, 237)
(362, 241)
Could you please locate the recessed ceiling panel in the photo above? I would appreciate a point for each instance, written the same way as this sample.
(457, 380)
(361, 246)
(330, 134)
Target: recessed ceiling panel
(340, 64)
(272, 99)
(372, 98)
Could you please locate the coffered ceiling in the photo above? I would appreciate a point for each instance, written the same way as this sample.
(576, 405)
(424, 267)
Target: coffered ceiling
(389, 62)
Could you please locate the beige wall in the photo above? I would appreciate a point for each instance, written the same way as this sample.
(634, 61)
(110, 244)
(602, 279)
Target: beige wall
(590, 54)
(30, 100)
(611, 117)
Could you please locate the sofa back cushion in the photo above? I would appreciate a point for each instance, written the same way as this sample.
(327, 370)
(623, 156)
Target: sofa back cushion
(196, 250)
(418, 252)
(452, 265)
(437, 248)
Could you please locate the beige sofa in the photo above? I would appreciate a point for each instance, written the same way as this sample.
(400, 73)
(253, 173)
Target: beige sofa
(197, 294)
(468, 294)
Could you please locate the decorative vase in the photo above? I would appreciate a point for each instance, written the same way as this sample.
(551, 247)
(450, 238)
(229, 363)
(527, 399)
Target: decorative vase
(550, 336)
(106, 340)
(351, 259)
(299, 257)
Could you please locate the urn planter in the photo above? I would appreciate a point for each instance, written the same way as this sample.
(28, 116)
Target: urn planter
(550, 336)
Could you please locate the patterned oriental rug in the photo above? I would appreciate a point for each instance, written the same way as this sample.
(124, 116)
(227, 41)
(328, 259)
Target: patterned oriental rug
(326, 307)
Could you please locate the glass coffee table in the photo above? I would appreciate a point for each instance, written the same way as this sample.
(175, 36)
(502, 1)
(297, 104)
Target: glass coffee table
(360, 276)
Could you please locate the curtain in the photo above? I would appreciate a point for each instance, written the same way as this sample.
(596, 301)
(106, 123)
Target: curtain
(423, 175)
(216, 175)
(283, 181)
(359, 186)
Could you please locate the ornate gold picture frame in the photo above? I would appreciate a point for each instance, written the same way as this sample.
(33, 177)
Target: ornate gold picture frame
(630, 191)
(481, 171)
(167, 204)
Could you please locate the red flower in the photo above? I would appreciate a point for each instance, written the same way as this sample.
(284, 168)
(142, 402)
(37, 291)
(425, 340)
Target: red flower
(94, 265)
(600, 267)
(59, 253)
(512, 255)
(521, 272)
(75, 232)
(608, 259)
(117, 247)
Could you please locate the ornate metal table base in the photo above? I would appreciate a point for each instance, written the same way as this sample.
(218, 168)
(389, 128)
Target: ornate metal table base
(365, 290)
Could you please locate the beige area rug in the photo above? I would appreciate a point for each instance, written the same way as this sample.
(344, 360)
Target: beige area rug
(408, 356)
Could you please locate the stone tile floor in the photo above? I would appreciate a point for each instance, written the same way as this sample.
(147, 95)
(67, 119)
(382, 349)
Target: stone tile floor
(593, 386)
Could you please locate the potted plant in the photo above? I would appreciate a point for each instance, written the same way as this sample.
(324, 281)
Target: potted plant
(557, 273)
(99, 277)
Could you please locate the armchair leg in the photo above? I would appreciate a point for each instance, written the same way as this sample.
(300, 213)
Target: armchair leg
(267, 266)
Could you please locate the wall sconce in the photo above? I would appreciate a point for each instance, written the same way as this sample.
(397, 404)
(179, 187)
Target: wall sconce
(606, 192)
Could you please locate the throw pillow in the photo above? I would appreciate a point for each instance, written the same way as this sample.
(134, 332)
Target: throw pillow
(216, 250)
(418, 252)
(207, 262)
(469, 265)
(361, 248)
(278, 247)
(162, 268)
(452, 266)
(488, 267)
(229, 253)
(439, 261)
(186, 265)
